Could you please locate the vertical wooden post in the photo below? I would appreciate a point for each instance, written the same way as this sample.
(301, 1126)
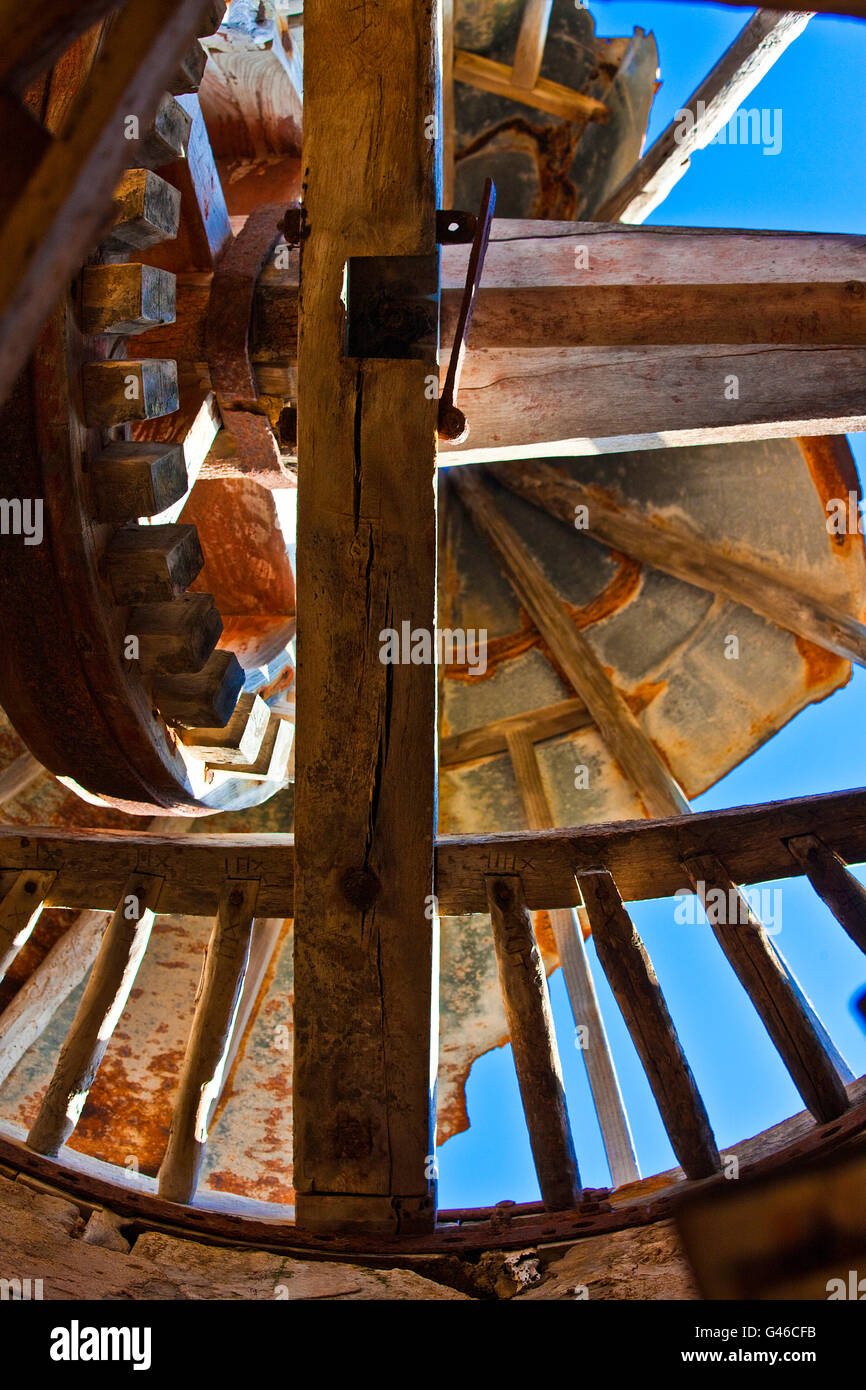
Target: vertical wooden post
(216, 1008)
(630, 974)
(103, 1001)
(600, 1070)
(533, 1042)
(365, 1053)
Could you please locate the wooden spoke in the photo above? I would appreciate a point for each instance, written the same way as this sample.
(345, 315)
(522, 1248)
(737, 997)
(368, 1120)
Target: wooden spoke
(536, 1058)
(630, 974)
(565, 717)
(530, 43)
(552, 97)
(753, 52)
(840, 890)
(670, 546)
(798, 1034)
(104, 999)
(216, 1009)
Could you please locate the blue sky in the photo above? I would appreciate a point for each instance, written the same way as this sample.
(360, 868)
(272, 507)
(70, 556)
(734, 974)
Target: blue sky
(813, 184)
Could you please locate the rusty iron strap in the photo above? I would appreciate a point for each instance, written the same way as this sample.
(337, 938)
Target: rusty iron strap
(452, 422)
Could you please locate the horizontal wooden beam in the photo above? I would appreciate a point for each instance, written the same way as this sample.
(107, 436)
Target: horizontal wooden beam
(551, 97)
(644, 856)
(754, 51)
(667, 545)
(564, 717)
(637, 315)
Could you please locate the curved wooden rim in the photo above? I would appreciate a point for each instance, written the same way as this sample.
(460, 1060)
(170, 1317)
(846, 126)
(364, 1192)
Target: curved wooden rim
(512, 1228)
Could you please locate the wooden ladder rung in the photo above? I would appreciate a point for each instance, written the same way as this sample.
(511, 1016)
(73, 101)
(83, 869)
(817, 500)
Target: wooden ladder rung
(625, 962)
(216, 1008)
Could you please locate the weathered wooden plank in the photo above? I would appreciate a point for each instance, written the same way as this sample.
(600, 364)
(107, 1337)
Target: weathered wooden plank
(551, 97)
(20, 910)
(564, 717)
(619, 728)
(568, 934)
(754, 51)
(572, 401)
(798, 1034)
(24, 1020)
(840, 890)
(364, 944)
(644, 856)
(533, 1042)
(60, 213)
(527, 253)
(104, 999)
(809, 314)
(667, 544)
(216, 1009)
(631, 976)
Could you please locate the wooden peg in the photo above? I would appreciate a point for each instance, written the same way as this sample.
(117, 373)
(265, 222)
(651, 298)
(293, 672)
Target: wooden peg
(152, 564)
(131, 479)
(116, 393)
(239, 742)
(126, 299)
(205, 699)
(148, 211)
(177, 636)
(19, 913)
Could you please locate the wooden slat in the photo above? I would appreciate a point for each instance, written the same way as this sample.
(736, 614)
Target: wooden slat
(20, 910)
(24, 1020)
(216, 1009)
(533, 1041)
(637, 315)
(58, 217)
(551, 97)
(564, 717)
(798, 1034)
(840, 890)
(630, 974)
(104, 999)
(623, 735)
(568, 934)
(754, 51)
(668, 545)
(363, 1055)
(530, 43)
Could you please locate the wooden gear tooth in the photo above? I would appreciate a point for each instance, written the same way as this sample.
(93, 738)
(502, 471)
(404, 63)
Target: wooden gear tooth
(205, 699)
(176, 637)
(239, 742)
(117, 393)
(152, 564)
(272, 761)
(131, 479)
(148, 211)
(126, 299)
(168, 136)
